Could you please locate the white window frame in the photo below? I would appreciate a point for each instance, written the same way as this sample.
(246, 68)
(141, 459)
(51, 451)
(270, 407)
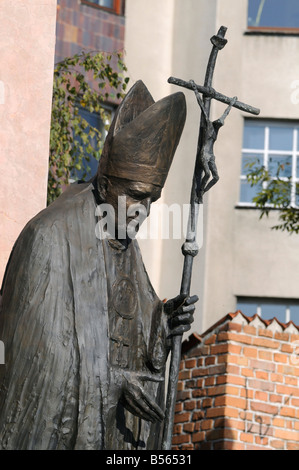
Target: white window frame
(265, 153)
(287, 303)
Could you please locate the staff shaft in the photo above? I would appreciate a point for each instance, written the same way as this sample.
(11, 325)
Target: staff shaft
(209, 91)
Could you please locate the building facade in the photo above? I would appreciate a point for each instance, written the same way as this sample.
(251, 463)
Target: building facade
(242, 263)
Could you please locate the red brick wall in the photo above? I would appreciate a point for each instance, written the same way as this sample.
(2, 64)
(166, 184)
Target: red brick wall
(238, 388)
(84, 27)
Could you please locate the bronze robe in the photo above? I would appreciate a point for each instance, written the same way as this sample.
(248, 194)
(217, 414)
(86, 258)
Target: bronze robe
(75, 310)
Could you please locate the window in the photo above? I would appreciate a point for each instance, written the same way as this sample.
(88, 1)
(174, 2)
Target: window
(283, 310)
(273, 14)
(90, 167)
(274, 145)
(115, 6)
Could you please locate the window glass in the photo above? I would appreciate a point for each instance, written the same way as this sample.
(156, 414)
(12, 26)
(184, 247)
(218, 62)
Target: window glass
(271, 310)
(273, 13)
(89, 168)
(281, 309)
(254, 136)
(280, 138)
(281, 163)
(272, 145)
(103, 3)
(248, 192)
(249, 160)
(248, 308)
(295, 314)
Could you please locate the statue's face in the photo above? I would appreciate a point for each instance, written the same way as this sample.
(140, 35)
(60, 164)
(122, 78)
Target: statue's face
(126, 197)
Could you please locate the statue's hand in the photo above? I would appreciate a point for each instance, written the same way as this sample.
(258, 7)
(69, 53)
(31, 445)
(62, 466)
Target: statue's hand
(180, 313)
(136, 399)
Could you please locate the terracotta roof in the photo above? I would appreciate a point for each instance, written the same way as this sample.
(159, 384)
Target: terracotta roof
(239, 317)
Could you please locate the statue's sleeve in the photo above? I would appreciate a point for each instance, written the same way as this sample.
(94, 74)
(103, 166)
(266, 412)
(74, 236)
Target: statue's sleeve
(159, 345)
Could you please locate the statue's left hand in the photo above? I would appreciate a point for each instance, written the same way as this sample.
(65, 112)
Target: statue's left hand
(136, 399)
(180, 314)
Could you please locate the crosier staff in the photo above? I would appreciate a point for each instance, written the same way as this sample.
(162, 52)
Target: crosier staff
(204, 166)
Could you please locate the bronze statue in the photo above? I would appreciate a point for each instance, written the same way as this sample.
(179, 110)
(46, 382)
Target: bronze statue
(86, 338)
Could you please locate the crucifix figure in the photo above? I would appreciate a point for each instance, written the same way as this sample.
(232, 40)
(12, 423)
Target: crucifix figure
(206, 151)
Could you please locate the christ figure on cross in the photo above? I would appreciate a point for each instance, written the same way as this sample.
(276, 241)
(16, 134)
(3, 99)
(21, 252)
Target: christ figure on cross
(206, 151)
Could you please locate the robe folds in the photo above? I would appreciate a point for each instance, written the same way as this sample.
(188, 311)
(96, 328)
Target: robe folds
(76, 312)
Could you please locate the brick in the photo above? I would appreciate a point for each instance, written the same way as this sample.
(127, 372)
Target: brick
(223, 433)
(281, 336)
(184, 374)
(207, 425)
(265, 343)
(287, 435)
(183, 438)
(230, 401)
(177, 429)
(247, 393)
(262, 365)
(261, 396)
(260, 440)
(250, 352)
(266, 333)
(218, 390)
(183, 395)
(232, 369)
(240, 338)
(276, 378)
(262, 375)
(247, 372)
(229, 445)
(190, 363)
(211, 339)
(197, 415)
(190, 405)
(189, 427)
(210, 360)
(207, 403)
(277, 444)
(219, 348)
(246, 437)
(288, 412)
(217, 370)
(198, 437)
(209, 381)
(266, 355)
(287, 348)
(232, 390)
(275, 398)
(249, 329)
(287, 390)
(280, 358)
(263, 408)
(182, 417)
(261, 385)
(222, 411)
(190, 383)
(278, 422)
(291, 381)
(292, 446)
(294, 402)
(198, 393)
(178, 407)
(230, 379)
(233, 326)
(294, 338)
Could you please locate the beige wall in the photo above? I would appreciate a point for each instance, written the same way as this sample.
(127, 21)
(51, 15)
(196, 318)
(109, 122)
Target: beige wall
(171, 38)
(27, 41)
(244, 257)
